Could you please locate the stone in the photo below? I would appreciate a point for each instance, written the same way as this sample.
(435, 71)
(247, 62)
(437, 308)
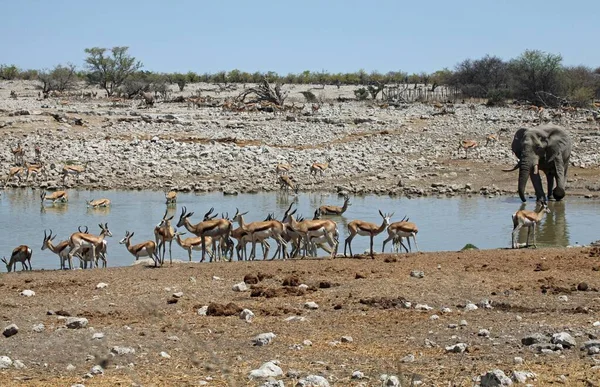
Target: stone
(165, 355)
(5, 362)
(470, 307)
(240, 287)
(116, 350)
(97, 370)
(202, 311)
(563, 298)
(564, 339)
(596, 324)
(18, 364)
(347, 339)
(434, 317)
(76, 322)
(446, 310)
(307, 343)
(38, 328)
(10, 330)
(423, 307)
(28, 293)
(295, 319)
(495, 378)
(273, 383)
(101, 285)
(456, 348)
(267, 370)
(264, 339)
(483, 333)
(311, 305)
(389, 381)
(417, 274)
(358, 375)
(533, 339)
(98, 336)
(522, 376)
(313, 381)
(178, 294)
(247, 315)
(463, 323)
(590, 344)
(410, 358)
(71, 368)
(518, 360)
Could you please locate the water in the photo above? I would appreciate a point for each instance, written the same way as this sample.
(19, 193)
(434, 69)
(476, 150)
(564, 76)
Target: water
(444, 223)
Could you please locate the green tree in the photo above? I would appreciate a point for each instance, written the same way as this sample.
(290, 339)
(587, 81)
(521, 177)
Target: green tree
(180, 79)
(9, 72)
(110, 71)
(60, 78)
(534, 75)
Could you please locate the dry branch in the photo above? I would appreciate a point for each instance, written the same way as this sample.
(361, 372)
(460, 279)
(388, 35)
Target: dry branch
(263, 92)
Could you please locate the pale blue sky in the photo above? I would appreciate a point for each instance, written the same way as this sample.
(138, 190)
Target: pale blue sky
(292, 36)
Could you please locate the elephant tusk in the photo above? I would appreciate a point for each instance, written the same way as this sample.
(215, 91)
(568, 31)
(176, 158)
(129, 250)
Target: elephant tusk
(536, 169)
(512, 169)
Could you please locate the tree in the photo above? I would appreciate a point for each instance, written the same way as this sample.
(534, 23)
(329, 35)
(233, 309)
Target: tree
(480, 78)
(180, 80)
(60, 78)
(112, 71)
(580, 85)
(9, 72)
(535, 74)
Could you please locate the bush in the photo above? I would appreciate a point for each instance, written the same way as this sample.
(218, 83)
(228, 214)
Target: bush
(535, 73)
(9, 73)
(581, 97)
(497, 97)
(309, 96)
(110, 72)
(61, 78)
(361, 94)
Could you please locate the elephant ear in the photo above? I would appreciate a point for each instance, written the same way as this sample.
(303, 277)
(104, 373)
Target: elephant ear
(517, 144)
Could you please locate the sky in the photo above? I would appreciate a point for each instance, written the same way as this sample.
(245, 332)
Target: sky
(293, 36)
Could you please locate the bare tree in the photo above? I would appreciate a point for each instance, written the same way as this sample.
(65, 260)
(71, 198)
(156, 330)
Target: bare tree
(264, 92)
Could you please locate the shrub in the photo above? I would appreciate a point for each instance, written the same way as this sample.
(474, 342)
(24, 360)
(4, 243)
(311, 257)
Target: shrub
(110, 72)
(309, 96)
(361, 94)
(61, 78)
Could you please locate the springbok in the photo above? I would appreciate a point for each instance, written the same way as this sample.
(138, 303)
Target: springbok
(73, 170)
(208, 228)
(335, 210)
(144, 249)
(397, 231)
(171, 197)
(61, 249)
(20, 254)
(79, 240)
(18, 154)
(14, 172)
(529, 219)
(163, 234)
(282, 169)
(259, 231)
(308, 229)
(61, 196)
(466, 145)
(98, 203)
(193, 243)
(363, 228)
(316, 167)
(35, 170)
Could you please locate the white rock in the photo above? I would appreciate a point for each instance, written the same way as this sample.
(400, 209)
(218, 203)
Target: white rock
(307, 343)
(456, 348)
(423, 307)
(463, 323)
(215, 278)
(165, 355)
(295, 319)
(311, 305)
(101, 285)
(408, 358)
(470, 307)
(97, 370)
(563, 298)
(247, 315)
(313, 381)
(446, 310)
(18, 364)
(434, 317)
(302, 286)
(347, 339)
(38, 328)
(178, 294)
(596, 324)
(483, 333)
(5, 362)
(564, 339)
(267, 370)
(522, 376)
(71, 367)
(202, 311)
(122, 350)
(28, 293)
(76, 322)
(264, 339)
(495, 378)
(98, 336)
(389, 381)
(518, 360)
(240, 287)
(358, 375)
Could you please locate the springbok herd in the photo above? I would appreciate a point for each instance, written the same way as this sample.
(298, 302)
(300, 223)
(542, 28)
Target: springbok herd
(217, 236)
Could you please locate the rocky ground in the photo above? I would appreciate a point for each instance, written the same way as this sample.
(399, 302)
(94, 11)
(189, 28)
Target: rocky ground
(451, 318)
(400, 150)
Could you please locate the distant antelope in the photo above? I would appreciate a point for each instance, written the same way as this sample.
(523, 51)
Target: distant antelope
(171, 197)
(14, 172)
(144, 249)
(20, 254)
(213, 228)
(35, 170)
(491, 139)
(397, 231)
(61, 249)
(73, 170)
(286, 183)
(315, 107)
(282, 169)
(79, 240)
(335, 210)
(163, 234)
(466, 145)
(61, 196)
(98, 203)
(529, 219)
(363, 228)
(18, 154)
(316, 167)
(38, 154)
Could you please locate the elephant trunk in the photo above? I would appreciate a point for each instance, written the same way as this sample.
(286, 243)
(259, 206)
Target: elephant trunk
(530, 169)
(523, 176)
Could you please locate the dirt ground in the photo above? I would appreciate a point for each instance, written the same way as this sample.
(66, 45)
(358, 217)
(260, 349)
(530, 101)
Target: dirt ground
(357, 297)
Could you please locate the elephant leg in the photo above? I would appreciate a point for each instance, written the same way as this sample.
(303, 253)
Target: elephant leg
(537, 185)
(550, 180)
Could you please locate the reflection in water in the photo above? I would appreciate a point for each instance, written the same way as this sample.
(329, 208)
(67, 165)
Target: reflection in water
(98, 210)
(55, 208)
(552, 230)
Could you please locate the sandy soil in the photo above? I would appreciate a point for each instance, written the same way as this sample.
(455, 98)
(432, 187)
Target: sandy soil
(357, 297)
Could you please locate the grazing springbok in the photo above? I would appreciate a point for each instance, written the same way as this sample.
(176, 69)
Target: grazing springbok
(79, 240)
(397, 231)
(60, 196)
(316, 167)
(286, 183)
(144, 249)
(491, 139)
(283, 169)
(213, 228)
(73, 170)
(335, 210)
(98, 203)
(20, 254)
(363, 228)
(171, 197)
(260, 231)
(193, 243)
(18, 154)
(466, 145)
(529, 219)
(14, 172)
(61, 249)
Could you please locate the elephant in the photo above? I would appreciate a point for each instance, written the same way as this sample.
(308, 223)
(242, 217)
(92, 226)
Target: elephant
(546, 148)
